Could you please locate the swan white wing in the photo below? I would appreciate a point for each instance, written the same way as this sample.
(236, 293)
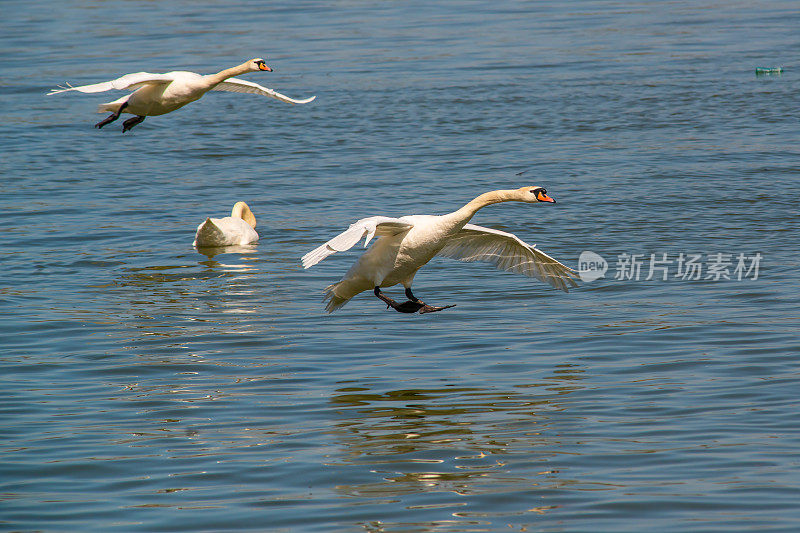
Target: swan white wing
(128, 81)
(508, 252)
(366, 227)
(235, 85)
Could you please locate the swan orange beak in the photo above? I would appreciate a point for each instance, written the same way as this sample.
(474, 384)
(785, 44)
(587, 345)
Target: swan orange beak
(542, 197)
(262, 66)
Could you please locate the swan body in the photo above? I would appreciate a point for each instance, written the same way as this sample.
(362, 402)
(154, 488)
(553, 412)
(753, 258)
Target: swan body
(407, 243)
(237, 229)
(158, 94)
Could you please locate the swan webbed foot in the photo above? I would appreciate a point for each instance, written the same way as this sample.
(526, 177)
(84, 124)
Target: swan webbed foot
(131, 122)
(425, 308)
(405, 307)
(433, 308)
(412, 305)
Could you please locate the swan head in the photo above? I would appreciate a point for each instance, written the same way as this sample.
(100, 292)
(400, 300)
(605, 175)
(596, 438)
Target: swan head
(242, 210)
(258, 64)
(533, 194)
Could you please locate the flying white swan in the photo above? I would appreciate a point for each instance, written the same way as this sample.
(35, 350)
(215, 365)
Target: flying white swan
(239, 228)
(407, 243)
(157, 94)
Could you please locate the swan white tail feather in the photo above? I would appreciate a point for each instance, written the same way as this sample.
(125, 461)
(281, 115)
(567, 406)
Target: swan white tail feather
(334, 301)
(208, 234)
(339, 293)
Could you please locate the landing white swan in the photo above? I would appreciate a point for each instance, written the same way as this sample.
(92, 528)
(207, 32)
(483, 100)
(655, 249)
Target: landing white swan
(157, 94)
(239, 228)
(407, 243)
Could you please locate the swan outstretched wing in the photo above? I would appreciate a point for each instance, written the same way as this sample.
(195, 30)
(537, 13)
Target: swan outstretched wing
(508, 252)
(235, 85)
(128, 81)
(366, 227)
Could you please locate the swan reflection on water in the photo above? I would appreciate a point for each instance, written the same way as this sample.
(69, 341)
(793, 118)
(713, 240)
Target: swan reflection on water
(188, 297)
(451, 447)
(212, 251)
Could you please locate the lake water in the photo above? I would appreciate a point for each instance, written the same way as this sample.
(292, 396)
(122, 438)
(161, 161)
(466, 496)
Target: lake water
(148, 387)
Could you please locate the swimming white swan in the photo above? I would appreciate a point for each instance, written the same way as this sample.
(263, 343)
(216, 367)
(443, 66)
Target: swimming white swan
(407, 243)
(157, 94)
(239, 228)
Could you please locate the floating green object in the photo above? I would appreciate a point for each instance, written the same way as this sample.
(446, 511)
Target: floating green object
(767, 71)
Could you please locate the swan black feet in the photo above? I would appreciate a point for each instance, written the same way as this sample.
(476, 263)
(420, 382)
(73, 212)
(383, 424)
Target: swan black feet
(108, 120)
(412, 305)
(112, 117)
(131, 122)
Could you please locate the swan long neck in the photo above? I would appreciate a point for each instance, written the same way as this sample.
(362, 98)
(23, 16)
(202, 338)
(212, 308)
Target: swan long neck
(222, 75)
(488, 198)
(242, 210)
